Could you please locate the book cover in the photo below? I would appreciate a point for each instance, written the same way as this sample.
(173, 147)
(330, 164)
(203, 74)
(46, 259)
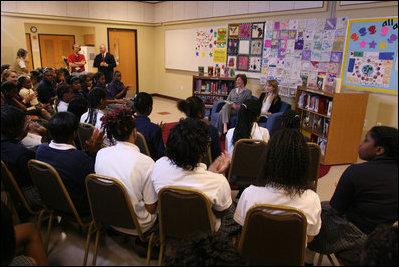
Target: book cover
(329, 108)
(306, 120)
(316, 104)
(326, 126)
(322, 144)
(312, 80)
(322, 108)
(304, 79)
(319, 124)
(320, 82)
(210, 70)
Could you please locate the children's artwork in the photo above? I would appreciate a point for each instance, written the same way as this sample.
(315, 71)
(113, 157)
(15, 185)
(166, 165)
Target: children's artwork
(254, 64)
(362, 69)
(234, 30)
(232, 47)
(284, 34)
(276, 34)
(293, 24)
(331, 24)
(256, 47)
(243, 62)
(276, 25)
(312, 79)
(338, 44)
(231, 61)
(316, 55)
(299, 45)
(336, 57)
(291, 34)
(258, 30)
(325, 56)
(268, 43)
(245, 30)
(284, 24)
(333, 68)
(221, 38)
(243, 48)
(306, 55)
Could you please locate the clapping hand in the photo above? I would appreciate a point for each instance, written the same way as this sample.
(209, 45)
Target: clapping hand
(221, 163)
(95, 142)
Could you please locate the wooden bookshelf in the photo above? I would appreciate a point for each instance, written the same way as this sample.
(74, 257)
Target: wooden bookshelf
(212, 89)
(338, 128)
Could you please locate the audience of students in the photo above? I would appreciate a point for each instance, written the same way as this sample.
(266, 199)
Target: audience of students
(151, 131)
(46, 89)
(233, 102)
(247, 126)
(64, 96)
(85, 85)
(194, 108)
(97, 103)
(123, 161)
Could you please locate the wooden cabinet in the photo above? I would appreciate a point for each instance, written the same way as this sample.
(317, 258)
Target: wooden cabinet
(334, 121)
(212, 89)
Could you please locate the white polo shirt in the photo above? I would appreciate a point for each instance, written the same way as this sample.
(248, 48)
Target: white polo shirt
(124, 162)
(100, 114)
(308, 202)
(213, 185)
(257, 132)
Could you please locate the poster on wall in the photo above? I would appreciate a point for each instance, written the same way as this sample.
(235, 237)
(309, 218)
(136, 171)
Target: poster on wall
(371, 55)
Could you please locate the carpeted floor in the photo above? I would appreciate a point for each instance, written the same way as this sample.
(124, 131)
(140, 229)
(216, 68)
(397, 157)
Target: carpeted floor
(323, 169)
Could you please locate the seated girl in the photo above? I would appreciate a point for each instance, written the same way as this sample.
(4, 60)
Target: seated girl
(124, 162)
(283, 181)
(85, 85)
(99, 82)
(194, 108)
(271, 101)
(97, 104)
(187, 144)
(64, 96)
(151, 131)
(247, 126)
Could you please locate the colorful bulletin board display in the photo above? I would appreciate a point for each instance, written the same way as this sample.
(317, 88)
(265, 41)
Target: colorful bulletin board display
(371, 55)
(289, 50)
(187, 49)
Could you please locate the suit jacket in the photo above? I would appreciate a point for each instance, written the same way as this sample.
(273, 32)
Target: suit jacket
(108, 71)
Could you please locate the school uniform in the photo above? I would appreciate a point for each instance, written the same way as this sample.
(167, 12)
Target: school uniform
(97, 118)
(62, 106)
(308, 202)
(257, 132)
(124, 162)
(213, 185)
(153, 136)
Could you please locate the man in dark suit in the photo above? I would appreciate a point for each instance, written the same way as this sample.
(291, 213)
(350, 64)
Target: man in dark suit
(105, 62)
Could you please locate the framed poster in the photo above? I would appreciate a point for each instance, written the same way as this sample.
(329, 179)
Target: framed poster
(371, 55)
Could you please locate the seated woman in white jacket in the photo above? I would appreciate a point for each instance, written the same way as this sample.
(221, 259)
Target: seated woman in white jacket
(247, 126)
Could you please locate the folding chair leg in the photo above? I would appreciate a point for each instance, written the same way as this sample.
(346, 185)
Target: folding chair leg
(320, 259)
(149, 249)
(161, 249)
(331, 260)
(87, 249)
(96, 247)
(50, 221)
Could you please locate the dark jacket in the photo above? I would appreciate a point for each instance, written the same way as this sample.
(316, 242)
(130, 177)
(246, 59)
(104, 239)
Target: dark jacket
(108, 71)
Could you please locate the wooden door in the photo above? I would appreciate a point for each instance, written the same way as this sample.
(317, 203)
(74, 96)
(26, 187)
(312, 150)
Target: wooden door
(53, 48)
(29, 48)
(123, 45)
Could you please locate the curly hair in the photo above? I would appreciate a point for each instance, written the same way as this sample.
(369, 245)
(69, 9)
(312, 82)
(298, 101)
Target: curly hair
(193, 107)
(187, 143)
(381, 247)
(118, 124)
(286, 162)
(247, 115)
(204, 249)
(291, 119)
(387, 137)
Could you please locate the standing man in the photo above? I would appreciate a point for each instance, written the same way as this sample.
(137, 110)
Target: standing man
(105, 62)
(77, 61)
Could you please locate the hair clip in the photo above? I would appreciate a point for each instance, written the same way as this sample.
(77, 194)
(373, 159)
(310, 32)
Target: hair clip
(245, 106)
(296, 116)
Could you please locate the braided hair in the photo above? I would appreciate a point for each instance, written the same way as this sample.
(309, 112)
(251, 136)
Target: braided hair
(193, 107)
(247, 115)
(286, 162)
(290, 119)
(118, 124)
(95, 97)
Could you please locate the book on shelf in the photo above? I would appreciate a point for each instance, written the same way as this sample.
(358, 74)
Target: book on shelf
(301, 99)
(329, 108)
(320, 82)
(318, 124)
(322, 144)
(304, 79)
(326, 126)
(322, 107)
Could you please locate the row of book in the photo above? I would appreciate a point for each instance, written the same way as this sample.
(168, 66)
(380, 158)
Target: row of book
(315, 122)
(209, 100)
(322, 142)
(211, 87)
(315, 103)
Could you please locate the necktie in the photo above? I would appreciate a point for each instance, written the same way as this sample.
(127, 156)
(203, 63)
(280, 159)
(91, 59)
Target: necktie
(103, 57)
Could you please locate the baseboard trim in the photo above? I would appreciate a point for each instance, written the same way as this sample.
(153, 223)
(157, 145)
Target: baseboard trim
(167, 97)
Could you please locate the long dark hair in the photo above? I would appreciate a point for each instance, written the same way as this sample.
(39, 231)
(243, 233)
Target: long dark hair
(95, 97)
(387, 137)
(247, 115)
(286, 162)
(118, 124)
(193, 107)
(187, 143)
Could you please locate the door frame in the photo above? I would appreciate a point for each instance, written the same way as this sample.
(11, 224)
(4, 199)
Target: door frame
(30, 52)
(40, 51)
(135, 45)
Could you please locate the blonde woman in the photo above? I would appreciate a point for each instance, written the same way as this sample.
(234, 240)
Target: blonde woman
(271, 101)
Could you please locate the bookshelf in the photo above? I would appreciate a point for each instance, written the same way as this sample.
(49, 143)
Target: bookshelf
(212, 89)
(334, 121)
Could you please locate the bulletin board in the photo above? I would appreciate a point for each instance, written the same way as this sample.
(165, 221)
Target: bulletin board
(371, 55)
(288, 50)
(187, 49)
